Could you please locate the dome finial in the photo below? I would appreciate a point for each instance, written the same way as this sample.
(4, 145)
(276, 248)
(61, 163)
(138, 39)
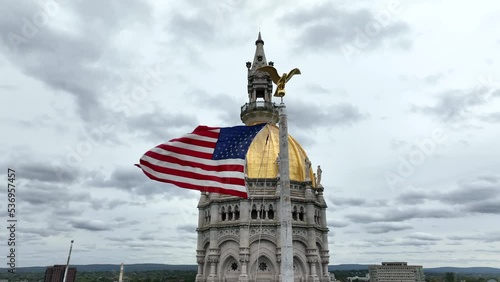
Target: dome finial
(259, 39)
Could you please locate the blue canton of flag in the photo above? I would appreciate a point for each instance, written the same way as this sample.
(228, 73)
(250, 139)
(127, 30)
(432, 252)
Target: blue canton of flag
(234, 141)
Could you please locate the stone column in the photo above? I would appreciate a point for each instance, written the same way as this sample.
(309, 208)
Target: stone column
(312, 260)
(312, 253)
(244, 259)
(325, 259)
(244, 239)
(200, 260)
(213, 255)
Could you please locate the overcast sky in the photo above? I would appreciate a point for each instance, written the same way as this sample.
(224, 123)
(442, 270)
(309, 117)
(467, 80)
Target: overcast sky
(399, 102)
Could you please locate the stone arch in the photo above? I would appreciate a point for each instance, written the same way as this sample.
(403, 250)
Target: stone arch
(265, 251)
(264, 269)
(230, 237)
(229, 267)
(299, 269)
(300, 260)
(206, 265)
(299, 238)
(229, 250)
(262, 237)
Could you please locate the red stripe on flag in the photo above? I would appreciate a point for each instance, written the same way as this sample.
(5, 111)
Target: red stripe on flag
(194, 175)
(192, 141)
(186, 152)
(199, 188)
(207, 131)
(170, 159)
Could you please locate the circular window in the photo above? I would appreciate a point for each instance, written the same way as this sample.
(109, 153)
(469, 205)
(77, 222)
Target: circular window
(263, 266)
(234, 266)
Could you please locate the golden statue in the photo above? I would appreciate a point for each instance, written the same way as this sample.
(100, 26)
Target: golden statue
(280, 81)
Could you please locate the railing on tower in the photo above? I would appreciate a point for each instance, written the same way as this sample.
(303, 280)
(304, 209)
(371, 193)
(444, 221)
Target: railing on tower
(258, 105)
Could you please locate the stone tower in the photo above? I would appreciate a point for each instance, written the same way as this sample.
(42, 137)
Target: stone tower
(238, 239)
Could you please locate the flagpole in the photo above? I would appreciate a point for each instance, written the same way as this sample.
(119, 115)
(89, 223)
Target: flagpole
(67, 263)
(285, 203)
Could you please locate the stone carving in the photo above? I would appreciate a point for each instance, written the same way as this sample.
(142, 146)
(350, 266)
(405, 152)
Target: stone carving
(318, 177)
(267, 231)
(300, 232)
(319, 237)
(225, 232)
(308, 169)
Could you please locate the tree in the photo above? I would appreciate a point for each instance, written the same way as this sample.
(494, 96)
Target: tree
(449, 277)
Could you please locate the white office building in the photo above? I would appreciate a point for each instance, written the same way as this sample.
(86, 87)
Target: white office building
(396, 271)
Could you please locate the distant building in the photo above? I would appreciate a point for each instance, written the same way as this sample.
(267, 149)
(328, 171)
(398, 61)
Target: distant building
(56, 274)
(396, 271)
(357, 278)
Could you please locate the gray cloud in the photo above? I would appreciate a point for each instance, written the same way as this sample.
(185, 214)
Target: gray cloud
(379, 228)
(133, 180)
(414, 197)
(187, 228)
(225, 105)
(309, 116)
(43, 195)
(489, 206)
(339, 201)
(478, 194)
(399, 144)
(484, 237)
(491, 118)
(160, 126)
(434, 79)
(457, 105)
(403, 214)
(336, 223)
(75, 63)
(324, 27)
(471, 192)
(423, 236)
(40, 171)
(90, 225)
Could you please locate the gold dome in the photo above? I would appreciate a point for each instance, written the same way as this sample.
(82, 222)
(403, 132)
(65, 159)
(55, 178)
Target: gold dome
(263, 152)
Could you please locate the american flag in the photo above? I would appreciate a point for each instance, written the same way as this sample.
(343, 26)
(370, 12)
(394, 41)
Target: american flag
(210, 159)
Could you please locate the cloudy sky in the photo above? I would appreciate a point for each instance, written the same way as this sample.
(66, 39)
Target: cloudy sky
(398, 102)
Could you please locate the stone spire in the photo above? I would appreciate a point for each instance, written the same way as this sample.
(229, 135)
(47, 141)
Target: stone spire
(259, 108)
(259, 60)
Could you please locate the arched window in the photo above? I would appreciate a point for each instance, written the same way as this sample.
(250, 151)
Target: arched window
(223, 214)
(261, 212)
(236, 213)
(271, 212)
(294, 213)
(254, 212)
(301, 214)
(229, 213)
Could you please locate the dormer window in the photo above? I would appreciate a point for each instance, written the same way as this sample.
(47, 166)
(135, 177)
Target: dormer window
(259, 58)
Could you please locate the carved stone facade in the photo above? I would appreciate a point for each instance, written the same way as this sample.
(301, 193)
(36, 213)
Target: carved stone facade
(239, 239)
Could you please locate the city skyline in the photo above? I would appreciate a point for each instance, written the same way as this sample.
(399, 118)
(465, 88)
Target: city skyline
(398, 102)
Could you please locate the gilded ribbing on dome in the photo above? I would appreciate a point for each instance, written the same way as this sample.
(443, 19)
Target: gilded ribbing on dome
(263, 152)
